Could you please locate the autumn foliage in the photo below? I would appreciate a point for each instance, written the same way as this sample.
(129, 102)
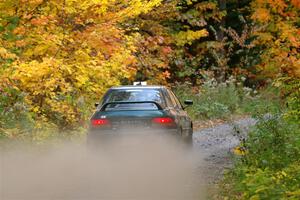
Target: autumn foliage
(279, 36)
(58, 57)
(64, 54)
(61, 56)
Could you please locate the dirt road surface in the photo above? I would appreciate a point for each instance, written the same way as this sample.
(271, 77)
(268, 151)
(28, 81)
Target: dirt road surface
(216, 145)
(133, 168)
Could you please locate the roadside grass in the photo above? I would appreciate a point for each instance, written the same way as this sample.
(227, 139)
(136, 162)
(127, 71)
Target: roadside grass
(267, 162)
(223, 100)
(269, 167)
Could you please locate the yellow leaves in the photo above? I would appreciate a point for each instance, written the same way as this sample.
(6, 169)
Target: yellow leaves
(45, 82)
(69, 50)
(137, 7)
(255, 197)
(51, 82)
(36, 109)
(8, 6)
(294, 194)
(121, 10)
(189, 36)
(263, 38)
(40, 49)
(97, 6)
(82, 56)
(117, 65)
(4, 54)
(240, 151)
(71, 6)
(40, 45)
(31, 1)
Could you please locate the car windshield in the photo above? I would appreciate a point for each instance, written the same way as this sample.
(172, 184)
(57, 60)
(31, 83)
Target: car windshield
(134, 95)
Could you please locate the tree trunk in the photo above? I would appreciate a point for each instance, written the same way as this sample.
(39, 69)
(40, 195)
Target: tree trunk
(220, 34)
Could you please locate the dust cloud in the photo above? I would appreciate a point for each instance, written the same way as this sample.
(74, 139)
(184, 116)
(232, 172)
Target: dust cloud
(133, 168)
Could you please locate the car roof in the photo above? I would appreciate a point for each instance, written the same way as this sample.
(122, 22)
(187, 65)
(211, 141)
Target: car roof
(137, 87)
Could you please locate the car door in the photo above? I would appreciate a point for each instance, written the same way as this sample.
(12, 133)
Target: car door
(184, 120)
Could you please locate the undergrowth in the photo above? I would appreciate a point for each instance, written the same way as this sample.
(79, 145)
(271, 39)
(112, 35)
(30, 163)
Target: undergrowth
(269, 167)
(221, 100)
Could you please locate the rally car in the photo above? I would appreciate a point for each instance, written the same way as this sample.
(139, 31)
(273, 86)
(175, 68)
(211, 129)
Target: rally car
(140, 109)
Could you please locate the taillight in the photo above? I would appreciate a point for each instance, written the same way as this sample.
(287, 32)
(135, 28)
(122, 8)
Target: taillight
(100, 122)
(165, 121)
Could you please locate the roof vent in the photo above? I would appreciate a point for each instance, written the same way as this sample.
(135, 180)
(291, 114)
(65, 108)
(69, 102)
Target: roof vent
(139, 83)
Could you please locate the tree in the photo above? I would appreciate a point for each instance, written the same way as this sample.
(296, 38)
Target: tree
(279, 37)
(65, 54)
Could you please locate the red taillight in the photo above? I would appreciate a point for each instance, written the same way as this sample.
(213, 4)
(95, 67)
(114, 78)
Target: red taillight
(163, 120)
(100, 122)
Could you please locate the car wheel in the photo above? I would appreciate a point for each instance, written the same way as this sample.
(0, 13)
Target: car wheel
(187, 137)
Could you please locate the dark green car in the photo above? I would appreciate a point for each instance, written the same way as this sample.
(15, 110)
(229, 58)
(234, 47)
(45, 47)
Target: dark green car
(140, 109)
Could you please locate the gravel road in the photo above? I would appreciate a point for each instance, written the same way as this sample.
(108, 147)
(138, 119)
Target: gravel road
(134, 168)
(216, 145)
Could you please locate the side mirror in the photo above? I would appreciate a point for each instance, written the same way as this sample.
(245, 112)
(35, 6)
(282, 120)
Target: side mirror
(96, 105)
(188, 102)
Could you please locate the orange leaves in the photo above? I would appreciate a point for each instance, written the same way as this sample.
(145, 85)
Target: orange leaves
(296, 3)
(280, 36)
(166, 74)
(166, 50)
(21, 30)
(279, 5)
(289, 33)
(20, 43)
(264, 10)
(41, 21)
(261, 15)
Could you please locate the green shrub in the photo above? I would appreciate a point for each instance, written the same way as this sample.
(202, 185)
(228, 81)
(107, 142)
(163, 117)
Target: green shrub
(273, 143)
(264, 184)
(267, 100)
(270, 168)
(14, 117)
(291, 89)
(220, 100)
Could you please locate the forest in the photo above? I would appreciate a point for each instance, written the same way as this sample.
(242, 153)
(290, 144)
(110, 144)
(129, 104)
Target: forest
(58, 57)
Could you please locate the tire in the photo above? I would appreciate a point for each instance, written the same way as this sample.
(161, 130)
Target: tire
(187, 138)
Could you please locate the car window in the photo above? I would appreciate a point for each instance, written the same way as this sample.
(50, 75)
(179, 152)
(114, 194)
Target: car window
(171, 99)
(135, 95)
(169, 102)
(175, 100)
(131, 106)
